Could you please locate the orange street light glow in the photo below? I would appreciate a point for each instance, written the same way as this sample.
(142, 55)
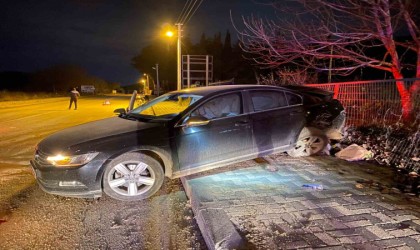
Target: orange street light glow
(169, 33)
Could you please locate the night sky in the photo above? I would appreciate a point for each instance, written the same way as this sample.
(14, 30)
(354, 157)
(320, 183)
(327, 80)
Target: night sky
(102, 35)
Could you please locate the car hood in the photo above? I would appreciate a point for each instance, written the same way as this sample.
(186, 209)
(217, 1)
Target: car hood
(79, 134)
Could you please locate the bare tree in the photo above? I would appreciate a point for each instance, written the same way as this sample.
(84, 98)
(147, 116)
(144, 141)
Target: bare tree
(343, 31)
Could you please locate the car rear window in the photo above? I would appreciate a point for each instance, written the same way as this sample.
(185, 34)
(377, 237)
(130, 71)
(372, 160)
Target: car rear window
(293, 99)
(265, 100)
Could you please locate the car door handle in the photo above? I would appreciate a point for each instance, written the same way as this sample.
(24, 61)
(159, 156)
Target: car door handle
(241, 123)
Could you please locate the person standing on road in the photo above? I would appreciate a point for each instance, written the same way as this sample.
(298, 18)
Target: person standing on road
(74, 95)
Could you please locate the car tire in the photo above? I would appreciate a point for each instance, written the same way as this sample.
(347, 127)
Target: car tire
(311, 141)
(132, 177)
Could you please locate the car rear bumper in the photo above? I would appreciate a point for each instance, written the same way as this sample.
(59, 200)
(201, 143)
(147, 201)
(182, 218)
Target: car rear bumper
(65, 182)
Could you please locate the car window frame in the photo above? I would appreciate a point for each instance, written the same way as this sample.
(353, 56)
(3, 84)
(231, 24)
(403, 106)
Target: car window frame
(204, 100)
(296, 94)
(251, 104)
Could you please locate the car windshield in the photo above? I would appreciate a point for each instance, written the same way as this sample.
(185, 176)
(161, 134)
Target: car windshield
(165, 106)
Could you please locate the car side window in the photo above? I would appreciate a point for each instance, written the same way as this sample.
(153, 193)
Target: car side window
(222, 106)
(265, 100)
(293, 99)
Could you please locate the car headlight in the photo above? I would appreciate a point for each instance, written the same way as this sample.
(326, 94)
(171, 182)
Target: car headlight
(71, 160)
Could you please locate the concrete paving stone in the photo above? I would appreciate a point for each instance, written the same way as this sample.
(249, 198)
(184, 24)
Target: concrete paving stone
(411, 242)
(328, 204)
(332, 212)
(364, 246)
(415, 224)
(316, 217)
(308, 204)
(416, 237)
(391, 226)
(217, 204)
(349, 199)
(356, 239)
(391, 197)
(268, 217)
(350, 218)
(288, 218)
(359, 223)
(379, 232)
(336, 193)
(362, 211)
(386, 205)
(293, 244)
(372, 219)
(360, 205)
(318, 172)
(324, 200)
(406, 217)
(403, 232)
(219, 229)
(290, 197)
(327, 239)
(317, 194)
(297, 205)
(316, 229)
(333, 248)
(357, 192)
(313, 241)
(390, 243)
(368, 235)
(329, 224)
(403, 248)
(343, 232)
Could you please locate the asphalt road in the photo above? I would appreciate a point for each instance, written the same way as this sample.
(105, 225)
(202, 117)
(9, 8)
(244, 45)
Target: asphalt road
(32, 219)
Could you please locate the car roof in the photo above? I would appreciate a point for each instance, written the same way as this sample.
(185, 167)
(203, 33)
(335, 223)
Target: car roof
(203, 91)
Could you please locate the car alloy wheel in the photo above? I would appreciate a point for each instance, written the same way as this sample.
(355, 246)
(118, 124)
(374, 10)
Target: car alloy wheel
(311, 141)
(132, 176)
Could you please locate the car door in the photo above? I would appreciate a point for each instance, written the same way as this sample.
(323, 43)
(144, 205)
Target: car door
(274, 121)
(227, 135)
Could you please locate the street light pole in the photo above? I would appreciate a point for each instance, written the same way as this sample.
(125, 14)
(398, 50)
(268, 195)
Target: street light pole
(147, 84)
(179, 63)
(157, 79)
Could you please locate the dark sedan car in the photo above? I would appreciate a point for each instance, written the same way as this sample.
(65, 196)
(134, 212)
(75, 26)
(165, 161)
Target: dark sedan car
(182, 133)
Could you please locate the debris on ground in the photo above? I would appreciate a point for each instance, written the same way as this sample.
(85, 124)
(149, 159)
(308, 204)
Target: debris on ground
(395, 146)
(354, 152)
(313, 186)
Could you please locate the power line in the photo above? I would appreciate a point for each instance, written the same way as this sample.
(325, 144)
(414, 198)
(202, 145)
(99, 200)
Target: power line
(187, 11)
(201, 1)
(186, 6)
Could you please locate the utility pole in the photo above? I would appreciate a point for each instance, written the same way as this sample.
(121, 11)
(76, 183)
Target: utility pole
(178, 57)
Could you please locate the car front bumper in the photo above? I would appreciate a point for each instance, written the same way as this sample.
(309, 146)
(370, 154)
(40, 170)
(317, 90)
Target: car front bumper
(75, 182)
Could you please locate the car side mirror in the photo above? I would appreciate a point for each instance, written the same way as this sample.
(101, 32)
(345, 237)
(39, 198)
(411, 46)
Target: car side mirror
(196, 121)
(120, 111)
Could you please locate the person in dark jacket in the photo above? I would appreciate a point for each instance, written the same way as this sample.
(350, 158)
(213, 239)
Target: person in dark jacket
(74, 95)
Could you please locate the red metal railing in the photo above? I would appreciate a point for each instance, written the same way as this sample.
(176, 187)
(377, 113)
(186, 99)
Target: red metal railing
(371, 102)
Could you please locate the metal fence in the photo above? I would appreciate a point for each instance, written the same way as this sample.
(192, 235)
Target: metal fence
(378, 103)
(371, 102)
